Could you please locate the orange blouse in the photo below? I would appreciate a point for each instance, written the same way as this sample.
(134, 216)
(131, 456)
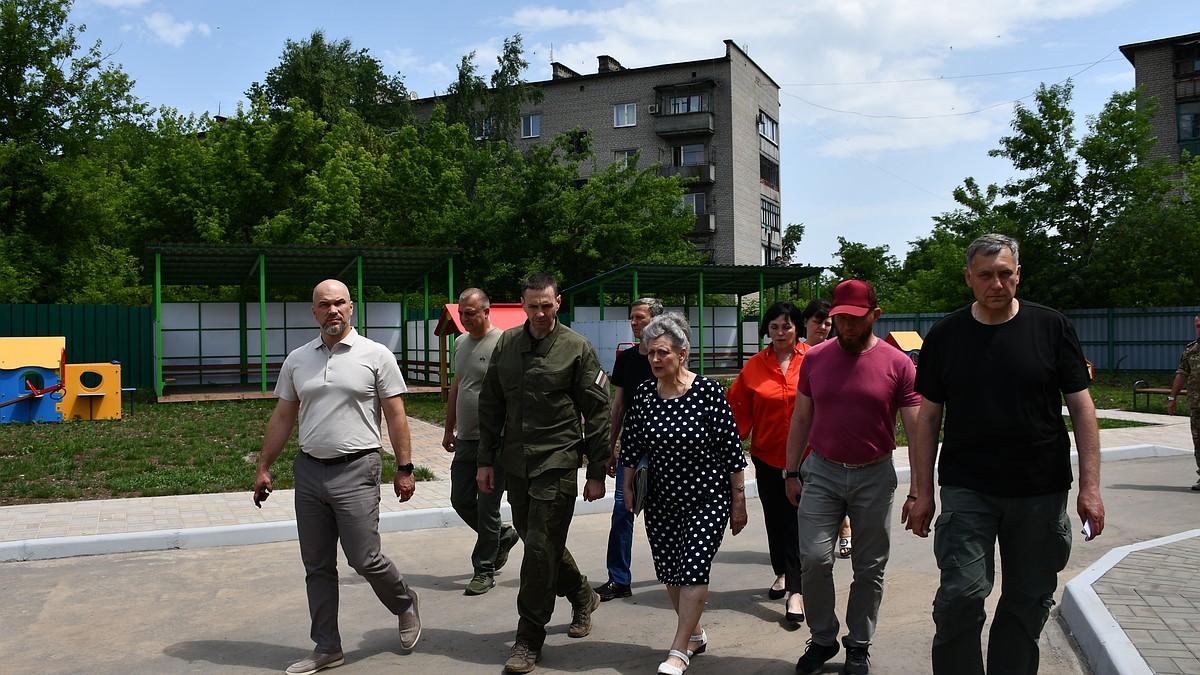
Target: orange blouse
(763, 398)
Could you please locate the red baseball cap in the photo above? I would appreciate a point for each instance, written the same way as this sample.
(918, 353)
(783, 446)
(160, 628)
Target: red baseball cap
(853, 297)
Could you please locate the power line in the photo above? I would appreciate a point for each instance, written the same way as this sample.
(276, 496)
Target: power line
(950, 77)
(1086, 67)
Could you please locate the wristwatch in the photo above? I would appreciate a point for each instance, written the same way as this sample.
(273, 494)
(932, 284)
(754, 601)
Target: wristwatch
(1170, 398)
(790, 474)
(406, 468)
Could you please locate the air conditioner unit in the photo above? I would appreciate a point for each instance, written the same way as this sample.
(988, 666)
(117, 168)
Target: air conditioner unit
(652, 108)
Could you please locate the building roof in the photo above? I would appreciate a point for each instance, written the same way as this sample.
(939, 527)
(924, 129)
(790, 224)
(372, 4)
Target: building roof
(504, 315)
(1131, 49)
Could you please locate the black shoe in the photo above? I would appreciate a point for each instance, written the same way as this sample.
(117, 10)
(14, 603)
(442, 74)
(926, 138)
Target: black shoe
(814, 658)
(858, 661)
(611, 590)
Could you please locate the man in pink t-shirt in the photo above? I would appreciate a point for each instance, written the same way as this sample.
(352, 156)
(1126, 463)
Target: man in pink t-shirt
(849, 392)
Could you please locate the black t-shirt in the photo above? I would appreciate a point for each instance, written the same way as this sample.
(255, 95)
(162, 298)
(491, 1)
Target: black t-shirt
(1002, 390)
(631, 369)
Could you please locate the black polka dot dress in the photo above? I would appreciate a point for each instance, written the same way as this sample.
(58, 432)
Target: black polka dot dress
(694, 446)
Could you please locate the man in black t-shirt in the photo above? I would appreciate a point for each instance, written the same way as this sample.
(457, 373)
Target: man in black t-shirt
(630, 369)
(1000, 369)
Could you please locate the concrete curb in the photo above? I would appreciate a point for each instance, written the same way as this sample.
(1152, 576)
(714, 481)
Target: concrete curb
(1101, 638)
(263, 533)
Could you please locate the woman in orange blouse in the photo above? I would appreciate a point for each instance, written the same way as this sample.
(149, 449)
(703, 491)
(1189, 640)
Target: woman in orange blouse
(762, 399)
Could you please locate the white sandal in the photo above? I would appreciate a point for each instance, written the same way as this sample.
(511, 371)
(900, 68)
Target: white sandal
(701, 639)
(669, 669)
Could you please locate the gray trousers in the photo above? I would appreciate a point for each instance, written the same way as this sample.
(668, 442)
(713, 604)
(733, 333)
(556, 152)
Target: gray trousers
(342, 501)
(830, 492)
(480, 511)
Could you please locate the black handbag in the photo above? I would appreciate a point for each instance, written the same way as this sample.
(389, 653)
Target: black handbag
(641, 484)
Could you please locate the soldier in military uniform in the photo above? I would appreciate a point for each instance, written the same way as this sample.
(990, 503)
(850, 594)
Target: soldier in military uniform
(1189, 375)
(543, 408)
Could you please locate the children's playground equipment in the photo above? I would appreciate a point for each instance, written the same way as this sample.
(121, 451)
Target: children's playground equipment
(37, 385)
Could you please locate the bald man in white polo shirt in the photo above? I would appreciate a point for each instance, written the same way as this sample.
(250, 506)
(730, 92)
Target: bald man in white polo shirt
(337, 386)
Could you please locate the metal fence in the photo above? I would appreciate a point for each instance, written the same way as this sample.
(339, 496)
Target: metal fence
(95, 334)
(1149, 338)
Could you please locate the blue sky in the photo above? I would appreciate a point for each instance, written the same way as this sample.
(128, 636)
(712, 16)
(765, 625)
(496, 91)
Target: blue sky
(886, 105)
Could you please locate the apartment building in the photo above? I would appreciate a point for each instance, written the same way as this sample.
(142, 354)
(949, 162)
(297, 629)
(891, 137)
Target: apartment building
(1168, 70)
(715, 120)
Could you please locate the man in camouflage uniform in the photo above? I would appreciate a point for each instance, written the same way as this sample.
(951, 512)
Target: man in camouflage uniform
(542, 409)
(1189, 374)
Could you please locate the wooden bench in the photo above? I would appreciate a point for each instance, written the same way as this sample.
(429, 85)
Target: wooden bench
(1143, 388)
(173, 372)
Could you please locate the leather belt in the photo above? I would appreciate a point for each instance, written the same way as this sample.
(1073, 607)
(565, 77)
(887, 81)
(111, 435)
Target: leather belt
(881, 458)
(343, 459)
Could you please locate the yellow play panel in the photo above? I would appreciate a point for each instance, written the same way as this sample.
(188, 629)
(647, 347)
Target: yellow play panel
(32, 352)
(101, 401)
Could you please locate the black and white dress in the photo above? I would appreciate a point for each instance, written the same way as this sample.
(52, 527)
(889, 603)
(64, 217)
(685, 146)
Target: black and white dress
(694, 447)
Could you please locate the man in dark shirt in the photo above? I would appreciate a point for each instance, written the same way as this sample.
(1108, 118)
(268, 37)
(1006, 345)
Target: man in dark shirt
(1000, 369)
(630, 369)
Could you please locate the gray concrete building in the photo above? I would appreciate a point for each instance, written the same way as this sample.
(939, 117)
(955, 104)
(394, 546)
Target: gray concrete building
(715, 120)
(1168, 70)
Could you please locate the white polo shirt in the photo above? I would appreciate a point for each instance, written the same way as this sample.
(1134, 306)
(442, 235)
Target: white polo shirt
(340, 393)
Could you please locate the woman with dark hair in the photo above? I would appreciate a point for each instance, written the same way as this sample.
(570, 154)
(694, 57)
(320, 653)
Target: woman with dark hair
(762, 398)
(697, 477)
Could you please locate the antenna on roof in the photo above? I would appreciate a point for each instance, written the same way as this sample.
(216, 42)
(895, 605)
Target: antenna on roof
(551, 52)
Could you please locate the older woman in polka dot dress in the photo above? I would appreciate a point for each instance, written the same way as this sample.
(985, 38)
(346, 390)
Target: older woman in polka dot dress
(697, 483)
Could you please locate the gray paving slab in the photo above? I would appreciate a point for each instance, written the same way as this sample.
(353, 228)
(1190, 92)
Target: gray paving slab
(205, 595)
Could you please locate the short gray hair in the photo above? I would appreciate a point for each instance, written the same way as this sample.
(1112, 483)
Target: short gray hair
(652, 305)
(990, 244)
(674, 326)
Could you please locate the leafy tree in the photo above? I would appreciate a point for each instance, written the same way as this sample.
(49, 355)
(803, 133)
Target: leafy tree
(792, 234)
(493, 113)
(60, 105)
(872, 264)
(332, 76)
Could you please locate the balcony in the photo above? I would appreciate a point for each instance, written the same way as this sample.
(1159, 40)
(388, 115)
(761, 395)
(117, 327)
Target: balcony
(706, 224)
(685, 124)
(702, 173)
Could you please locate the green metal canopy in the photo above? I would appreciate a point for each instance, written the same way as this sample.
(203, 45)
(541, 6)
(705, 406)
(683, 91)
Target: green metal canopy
(396, 269)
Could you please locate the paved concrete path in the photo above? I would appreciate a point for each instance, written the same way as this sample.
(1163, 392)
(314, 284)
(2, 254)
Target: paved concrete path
(241, 608)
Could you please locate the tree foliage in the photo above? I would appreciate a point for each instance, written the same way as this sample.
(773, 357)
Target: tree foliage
(329, 77)
(1097, 218)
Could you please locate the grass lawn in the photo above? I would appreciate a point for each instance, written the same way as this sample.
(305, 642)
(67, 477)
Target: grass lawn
(190, 448)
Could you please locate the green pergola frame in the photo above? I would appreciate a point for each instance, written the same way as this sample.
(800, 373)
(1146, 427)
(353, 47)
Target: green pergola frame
(395, 269)
(635, 279)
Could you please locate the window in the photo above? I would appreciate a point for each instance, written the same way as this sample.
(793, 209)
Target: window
(770, 216)
(625, 115)
(531, 126)
(687, 104)
(1187, 60)
(768, 128)
(688, 155)
(1189, 127)
(693, 203)
(768, 172)
(625, 157)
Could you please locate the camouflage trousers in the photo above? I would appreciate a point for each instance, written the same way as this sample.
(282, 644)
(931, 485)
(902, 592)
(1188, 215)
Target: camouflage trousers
(1196, 436)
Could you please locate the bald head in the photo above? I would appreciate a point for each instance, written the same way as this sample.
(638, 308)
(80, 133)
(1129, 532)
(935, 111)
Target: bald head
(332, 309)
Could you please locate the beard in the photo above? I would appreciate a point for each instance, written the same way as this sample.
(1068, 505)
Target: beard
(335, 329)
(857, 345)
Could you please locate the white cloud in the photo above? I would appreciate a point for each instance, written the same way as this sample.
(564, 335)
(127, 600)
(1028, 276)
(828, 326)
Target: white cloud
(120, 4)
(167, 30)
(898, 54)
